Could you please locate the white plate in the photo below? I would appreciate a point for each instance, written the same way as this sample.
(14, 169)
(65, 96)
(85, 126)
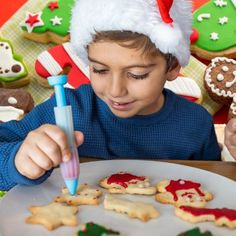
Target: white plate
(14, 206)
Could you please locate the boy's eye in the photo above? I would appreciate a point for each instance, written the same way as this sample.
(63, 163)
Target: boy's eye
(143, 76)
(103, 71)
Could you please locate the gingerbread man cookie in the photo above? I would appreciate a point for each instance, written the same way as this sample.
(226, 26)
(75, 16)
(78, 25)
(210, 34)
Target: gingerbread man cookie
(124, 182)
(50, 24)
(214, 29)
(220, 82)
(182, 192)
(221, 216)
(13, 72)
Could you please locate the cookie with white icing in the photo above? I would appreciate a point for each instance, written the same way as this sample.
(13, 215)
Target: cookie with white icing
(13, 71)
(220, 82)
(14, 103)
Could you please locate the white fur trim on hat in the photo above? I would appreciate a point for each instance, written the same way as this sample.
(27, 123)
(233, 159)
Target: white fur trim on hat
(140, 16)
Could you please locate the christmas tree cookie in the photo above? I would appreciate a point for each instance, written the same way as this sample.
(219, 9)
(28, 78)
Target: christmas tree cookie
(214, 31)
(92, 229)
(50, 24)
(13, 72)
(195, 232)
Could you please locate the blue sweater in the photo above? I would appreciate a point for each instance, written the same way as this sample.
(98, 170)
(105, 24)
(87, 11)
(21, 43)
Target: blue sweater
(180, 130)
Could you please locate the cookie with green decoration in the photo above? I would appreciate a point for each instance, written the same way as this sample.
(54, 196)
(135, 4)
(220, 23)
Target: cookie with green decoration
(51, 24)
(195, 232)
(13, 71)
(2, 193)
(214, 31)
(92, 229)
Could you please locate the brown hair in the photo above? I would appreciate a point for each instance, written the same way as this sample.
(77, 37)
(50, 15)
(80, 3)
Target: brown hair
(135, 40)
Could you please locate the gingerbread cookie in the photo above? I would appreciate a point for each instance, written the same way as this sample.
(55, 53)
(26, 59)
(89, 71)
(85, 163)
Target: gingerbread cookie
(214, 33)
(185, 87)
(221, 216)
(92, 229)
(124, 182)
(182, 192)
(85, 196)
(14, 103)
(62, 59)
(50, 24)
(139, 210)
(220, 82)
(195, 232)
(53, 215)
(13, 72)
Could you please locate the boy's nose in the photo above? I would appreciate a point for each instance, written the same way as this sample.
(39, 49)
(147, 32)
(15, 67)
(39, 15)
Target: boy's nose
(117, 87)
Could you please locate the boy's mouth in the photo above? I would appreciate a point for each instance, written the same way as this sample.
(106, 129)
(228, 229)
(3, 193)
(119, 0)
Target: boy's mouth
(120, 105)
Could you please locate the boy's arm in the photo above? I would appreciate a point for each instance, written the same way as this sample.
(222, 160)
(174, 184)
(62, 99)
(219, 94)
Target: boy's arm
(12, 135)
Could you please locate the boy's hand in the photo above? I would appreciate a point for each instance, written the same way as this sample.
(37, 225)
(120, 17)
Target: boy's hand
(230, 137)
(43, 149)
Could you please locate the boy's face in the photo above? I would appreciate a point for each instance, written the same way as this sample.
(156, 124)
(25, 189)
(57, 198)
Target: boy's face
(128, 82)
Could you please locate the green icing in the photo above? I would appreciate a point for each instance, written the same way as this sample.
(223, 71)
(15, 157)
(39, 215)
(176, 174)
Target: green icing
(17, 58)
(64, 12)
(195, 232)
(2, 193)
(92, 229)
(226, 32)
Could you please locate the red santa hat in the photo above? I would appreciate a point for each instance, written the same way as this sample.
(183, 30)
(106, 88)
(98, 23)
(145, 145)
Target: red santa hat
(168, 23)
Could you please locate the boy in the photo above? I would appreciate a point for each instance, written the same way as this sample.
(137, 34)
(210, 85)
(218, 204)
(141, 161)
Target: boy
(132, 48)
(230, 137)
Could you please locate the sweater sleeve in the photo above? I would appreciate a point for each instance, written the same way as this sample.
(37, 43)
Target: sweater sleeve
(211, 149)
(12, 134)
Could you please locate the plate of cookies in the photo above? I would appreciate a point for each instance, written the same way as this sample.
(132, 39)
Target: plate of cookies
(124, 197)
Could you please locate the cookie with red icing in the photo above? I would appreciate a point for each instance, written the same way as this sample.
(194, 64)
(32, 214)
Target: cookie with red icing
(124, 182)
(13, 71)
(182, 192)
(50, 24)
(220, 216)
(214, 29)
(220, 82)
(62, 59)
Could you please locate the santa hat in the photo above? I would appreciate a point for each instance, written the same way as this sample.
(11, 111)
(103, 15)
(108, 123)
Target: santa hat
(168, 23)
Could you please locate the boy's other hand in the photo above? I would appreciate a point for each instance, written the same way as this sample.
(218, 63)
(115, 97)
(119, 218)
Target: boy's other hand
(43, 149)
(230, 137)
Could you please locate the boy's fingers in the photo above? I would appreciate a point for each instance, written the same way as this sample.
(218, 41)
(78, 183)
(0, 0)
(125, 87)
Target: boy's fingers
(79, 138)
(231, 126)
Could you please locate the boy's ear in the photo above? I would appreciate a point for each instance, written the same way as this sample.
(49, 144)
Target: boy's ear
(173, 71)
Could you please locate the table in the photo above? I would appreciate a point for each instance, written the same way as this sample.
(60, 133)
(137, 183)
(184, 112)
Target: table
(227, 169)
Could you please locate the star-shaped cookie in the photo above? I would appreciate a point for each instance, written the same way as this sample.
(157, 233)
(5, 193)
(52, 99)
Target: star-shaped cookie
(53, 215)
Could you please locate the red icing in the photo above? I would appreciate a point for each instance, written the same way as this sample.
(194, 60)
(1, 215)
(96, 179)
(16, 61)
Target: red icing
(194, 36)
(123, 178)
(217, 212)
(32, 20)
(190, 98)
(75, 75)
(53, 5)
(176, 185)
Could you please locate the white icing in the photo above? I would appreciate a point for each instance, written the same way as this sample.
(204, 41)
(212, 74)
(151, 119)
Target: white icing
(214, 36)
(56, 20)
(223, 20)
(234, 2)
(49, 63)
(182, 182)
(12, 100)
(225, 68)
(203, 16)
(37, 24)
(220, 77)
(184, 86)
(231, 83)
(8, 113)
(212, 85)
(8, 62)
(220, 3)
